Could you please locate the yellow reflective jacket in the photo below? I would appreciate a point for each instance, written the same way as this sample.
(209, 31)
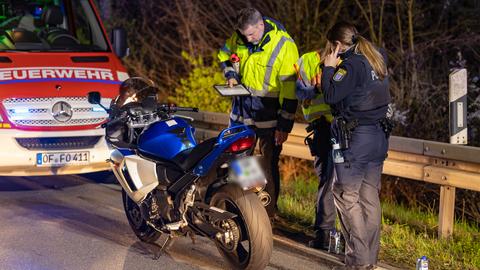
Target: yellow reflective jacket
(309, 69)
(267, 70)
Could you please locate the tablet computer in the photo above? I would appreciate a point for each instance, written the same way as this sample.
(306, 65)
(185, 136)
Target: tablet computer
(236, 90)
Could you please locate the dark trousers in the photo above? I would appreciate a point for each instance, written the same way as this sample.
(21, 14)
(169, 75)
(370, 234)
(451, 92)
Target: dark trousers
(356, 193)
(325, 212)
(271, 157)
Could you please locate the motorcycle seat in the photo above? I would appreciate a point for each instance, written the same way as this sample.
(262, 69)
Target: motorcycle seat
(188, 158)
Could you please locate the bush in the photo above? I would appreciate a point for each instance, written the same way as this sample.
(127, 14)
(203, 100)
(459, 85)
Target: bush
(197, 89)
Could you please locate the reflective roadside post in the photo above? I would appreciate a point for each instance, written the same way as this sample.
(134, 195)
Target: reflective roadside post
(457, 96)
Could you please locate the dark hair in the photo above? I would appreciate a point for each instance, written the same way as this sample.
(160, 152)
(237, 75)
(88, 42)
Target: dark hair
(347, 34)
(344, 32)
(247, 17)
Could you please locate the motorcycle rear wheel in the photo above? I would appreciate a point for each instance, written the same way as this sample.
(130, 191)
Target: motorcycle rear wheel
(255, 245)
(139, 226)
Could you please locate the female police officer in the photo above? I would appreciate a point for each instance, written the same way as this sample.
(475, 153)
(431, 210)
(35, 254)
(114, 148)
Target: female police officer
(357, 90)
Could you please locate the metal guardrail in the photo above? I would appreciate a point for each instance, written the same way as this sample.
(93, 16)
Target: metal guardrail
(450, 166)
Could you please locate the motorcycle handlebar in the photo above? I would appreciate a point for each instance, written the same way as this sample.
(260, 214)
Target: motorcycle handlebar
(186, 109)
(114, 121)
(165, 108)
(171, 108)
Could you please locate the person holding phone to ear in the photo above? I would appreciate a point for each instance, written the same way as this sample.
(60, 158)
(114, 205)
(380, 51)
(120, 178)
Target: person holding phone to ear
(357, 90)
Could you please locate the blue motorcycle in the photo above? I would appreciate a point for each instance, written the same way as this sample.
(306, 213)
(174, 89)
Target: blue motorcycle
(173, 185)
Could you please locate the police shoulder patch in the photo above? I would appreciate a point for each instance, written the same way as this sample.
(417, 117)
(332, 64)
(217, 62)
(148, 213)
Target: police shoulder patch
(339, 75)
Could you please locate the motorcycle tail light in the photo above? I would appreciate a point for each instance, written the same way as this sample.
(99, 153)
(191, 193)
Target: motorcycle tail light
(241, 144)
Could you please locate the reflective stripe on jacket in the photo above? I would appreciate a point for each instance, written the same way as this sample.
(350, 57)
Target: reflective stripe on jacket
(308, 67)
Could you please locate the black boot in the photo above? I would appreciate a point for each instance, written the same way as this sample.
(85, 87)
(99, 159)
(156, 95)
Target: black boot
(321, 240)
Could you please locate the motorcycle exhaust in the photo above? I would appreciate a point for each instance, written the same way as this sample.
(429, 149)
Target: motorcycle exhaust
(264, 197)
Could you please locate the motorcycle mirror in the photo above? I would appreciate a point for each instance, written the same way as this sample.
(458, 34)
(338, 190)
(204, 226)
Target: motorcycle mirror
(94, 97)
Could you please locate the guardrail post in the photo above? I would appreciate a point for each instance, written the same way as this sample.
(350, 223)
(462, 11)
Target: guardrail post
(446, 213)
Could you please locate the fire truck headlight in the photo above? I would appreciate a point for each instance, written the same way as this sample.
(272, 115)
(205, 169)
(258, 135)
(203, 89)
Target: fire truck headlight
(20, 110)
(98, 109)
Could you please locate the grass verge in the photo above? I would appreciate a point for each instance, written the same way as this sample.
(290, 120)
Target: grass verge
(407, 234)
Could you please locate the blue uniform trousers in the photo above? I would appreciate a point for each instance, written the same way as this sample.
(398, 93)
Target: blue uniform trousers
(356, 193)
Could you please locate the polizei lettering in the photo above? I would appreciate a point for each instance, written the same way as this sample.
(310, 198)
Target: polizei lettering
(34, 73)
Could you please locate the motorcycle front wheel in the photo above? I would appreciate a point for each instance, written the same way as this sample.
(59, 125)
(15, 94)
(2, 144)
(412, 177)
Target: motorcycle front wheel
(136, 221)
(250, 241)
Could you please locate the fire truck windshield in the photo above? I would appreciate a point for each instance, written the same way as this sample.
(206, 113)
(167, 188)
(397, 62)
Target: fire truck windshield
(50, 25)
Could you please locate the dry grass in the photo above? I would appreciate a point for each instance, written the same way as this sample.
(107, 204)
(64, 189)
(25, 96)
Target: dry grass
(291, 168)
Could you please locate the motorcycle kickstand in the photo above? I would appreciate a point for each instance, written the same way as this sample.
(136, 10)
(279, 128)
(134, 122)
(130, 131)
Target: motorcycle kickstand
(167, 244)
(192, 236)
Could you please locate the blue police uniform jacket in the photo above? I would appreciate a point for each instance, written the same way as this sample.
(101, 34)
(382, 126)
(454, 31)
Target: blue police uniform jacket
(354, 90)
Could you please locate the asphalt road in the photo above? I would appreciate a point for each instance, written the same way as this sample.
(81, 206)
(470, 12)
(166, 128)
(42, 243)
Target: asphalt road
(77, 222)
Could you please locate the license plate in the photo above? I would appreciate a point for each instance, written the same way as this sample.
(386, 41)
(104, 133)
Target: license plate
(248, 173)
(64, 158)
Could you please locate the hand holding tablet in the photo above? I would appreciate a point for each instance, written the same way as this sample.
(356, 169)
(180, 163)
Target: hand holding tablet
(237, 90)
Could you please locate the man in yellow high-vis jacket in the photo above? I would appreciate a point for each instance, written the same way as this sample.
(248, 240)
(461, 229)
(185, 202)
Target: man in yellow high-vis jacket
(267, 55)
(319, 117)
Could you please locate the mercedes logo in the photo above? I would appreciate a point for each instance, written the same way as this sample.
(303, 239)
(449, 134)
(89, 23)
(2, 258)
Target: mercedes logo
(62, 111)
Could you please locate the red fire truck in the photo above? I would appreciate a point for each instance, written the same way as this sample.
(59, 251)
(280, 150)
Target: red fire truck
(52, 53)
